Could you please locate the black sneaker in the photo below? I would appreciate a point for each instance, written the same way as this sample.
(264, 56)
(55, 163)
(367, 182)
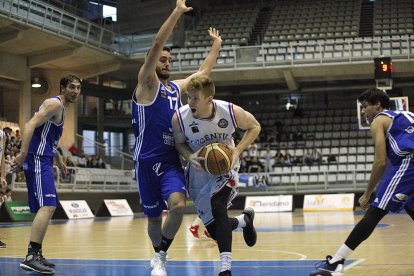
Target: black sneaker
(249, 233)
(2, 244)
(44, 261)
(33, 262)
(225, 273)
(324, 268)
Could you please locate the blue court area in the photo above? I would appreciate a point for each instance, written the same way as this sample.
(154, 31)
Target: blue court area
(9, 267)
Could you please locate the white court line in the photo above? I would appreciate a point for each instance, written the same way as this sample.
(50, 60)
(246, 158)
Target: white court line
(354, 263)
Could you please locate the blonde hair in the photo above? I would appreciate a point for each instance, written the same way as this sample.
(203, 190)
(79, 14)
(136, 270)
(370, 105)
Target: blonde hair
(202, 83)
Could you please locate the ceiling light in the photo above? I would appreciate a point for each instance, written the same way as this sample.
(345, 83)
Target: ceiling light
(36, 82)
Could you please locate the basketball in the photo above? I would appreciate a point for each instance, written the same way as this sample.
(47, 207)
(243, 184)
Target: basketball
(218, 158)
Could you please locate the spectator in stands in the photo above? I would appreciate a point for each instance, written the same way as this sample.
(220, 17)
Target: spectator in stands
(69, 162)
(158, 99)
(268, 160)
(8, 195)
(1, 198)
(392, 133)
(101, 163)
(255, 165)
(316, 157)
(279, 159)
(253, 150)
(287, 159)
(41, 135)
(307, 158)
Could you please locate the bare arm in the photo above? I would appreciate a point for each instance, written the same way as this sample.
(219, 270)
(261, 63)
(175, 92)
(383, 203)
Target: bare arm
(49, 109)
(378, 128)
(61, 163)
(182, 146)
(209, 61)
(147, 78)
(248, 122)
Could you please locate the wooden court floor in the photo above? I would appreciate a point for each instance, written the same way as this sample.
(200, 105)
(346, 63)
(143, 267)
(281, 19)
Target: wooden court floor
(288, 244)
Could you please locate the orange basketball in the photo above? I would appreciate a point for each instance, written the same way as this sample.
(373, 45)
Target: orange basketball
(217, 160)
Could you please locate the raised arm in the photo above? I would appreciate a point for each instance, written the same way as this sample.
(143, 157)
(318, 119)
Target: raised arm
(209, 61)
(181, 144)
(246, 121)
(49, 110)
(147, 78)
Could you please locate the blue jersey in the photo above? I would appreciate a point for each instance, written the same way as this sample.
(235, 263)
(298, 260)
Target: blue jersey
(152, 124)
(400, 135)
(45, 138)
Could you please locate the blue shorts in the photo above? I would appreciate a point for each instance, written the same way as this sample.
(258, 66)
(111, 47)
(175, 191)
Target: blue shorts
(156, 182)
(396, 188)
(40, 181)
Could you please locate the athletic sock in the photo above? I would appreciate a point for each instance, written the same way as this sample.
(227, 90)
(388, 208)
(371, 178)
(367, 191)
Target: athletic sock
(342, 253)
(34, 247)
(225, 258)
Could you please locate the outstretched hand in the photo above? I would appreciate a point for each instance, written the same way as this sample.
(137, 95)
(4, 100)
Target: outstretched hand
(214, 34)
(181, 6)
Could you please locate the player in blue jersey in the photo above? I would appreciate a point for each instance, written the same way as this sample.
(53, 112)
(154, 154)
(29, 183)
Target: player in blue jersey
(157, 166)
(39, 143)
(393, 135)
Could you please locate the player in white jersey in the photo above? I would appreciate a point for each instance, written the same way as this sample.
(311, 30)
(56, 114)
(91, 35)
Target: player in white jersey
(201, 122)
(393, 135)
(3, 182)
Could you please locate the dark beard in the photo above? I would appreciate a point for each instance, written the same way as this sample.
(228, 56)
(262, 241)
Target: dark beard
(162, 76)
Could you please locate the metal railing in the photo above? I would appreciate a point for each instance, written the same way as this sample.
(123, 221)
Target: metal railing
(54, 20)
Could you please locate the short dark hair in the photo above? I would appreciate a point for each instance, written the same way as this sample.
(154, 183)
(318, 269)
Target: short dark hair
(165, 48)
(69, 78)
(373, 96)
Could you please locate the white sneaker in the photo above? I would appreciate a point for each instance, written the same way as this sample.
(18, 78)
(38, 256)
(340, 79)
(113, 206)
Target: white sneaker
(152, 262)
(159, 264)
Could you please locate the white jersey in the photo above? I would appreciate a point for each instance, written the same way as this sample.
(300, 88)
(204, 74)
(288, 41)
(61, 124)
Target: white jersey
(200, 132)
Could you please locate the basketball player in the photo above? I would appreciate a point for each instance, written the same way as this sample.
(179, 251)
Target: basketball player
(158, 169)
(204, 121)
(393, 135)
(39, 143)
(3, 182)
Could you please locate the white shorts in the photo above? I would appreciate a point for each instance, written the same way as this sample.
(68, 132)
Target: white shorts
(201, 187)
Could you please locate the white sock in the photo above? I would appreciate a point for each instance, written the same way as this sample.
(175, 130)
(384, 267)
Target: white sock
(342, 253)
(225, 258)
(242, 222)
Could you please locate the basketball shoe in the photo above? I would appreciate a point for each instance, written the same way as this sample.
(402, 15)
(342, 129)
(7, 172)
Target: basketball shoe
(325, 268)
(194, 230)
(160, 260)
(44, 261)
(33, 262)
(2, 244)
(249, 233)
(225, 273)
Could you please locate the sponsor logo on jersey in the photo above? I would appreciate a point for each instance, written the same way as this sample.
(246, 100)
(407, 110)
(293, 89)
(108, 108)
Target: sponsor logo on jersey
(223, 123)
(410, 129)
(194, 127)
